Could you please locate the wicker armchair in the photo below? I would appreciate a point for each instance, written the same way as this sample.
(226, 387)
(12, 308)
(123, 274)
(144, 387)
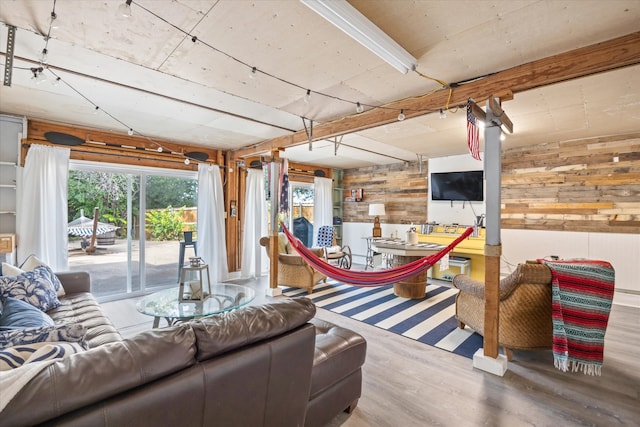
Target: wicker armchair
(525, 308)
(293, 270)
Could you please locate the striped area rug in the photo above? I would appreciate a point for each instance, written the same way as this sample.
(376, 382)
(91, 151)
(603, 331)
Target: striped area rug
(430, 320)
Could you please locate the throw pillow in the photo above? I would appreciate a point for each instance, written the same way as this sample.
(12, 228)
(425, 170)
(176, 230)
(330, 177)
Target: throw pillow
(35, 287)
(30, 264)
(10, 270)
(17, 314)
(67, 332)
(14, 357)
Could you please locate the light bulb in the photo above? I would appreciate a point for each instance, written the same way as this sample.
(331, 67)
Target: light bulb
(124, 9)
(401, 116)
(443, 115)
(55, 24)
(359, 108)
(38, 75)
(95, 110)
(252, 74)
(307, 97)
(186, 161)
(44, 58)
(159, 149)
(130, 132)
(56, 82)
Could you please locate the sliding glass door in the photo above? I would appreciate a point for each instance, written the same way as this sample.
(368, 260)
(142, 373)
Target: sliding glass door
(141, 215)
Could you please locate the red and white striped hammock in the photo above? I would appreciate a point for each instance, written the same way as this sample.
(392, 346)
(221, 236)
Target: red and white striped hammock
(371, 278)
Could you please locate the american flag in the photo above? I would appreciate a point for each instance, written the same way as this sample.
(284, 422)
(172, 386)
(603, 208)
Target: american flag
(284, 186)
(473, 133)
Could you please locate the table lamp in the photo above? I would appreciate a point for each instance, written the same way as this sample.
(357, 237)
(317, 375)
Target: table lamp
(376, 209)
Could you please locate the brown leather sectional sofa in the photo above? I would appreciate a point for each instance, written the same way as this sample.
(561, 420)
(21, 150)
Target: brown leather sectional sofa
(270, 365)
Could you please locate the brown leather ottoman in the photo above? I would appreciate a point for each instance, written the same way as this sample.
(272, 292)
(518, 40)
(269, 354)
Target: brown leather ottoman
(336, 378)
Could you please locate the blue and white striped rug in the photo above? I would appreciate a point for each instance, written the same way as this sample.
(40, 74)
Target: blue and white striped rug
(430, 320)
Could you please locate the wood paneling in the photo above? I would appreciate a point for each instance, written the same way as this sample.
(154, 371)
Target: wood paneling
(401, 187)
(573, 185)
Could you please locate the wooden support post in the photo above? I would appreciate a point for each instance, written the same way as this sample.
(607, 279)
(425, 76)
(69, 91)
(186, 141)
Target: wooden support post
(489, 359)
(491, 299)
(274, 172)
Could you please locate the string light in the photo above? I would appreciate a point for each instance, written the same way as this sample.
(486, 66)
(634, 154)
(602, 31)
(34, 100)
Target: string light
(130, 132)
(252, 75)
(186, 161)
(53, 20)
(443, 115)
(95, 110)
(38, 76)
(280, 79)
(401, 116)
(159, 149)
(124, 9)
(359, 108)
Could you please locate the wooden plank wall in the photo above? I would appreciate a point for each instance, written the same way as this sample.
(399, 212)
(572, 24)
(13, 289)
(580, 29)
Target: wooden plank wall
(573, 185)
(570, 186)
(401, 187)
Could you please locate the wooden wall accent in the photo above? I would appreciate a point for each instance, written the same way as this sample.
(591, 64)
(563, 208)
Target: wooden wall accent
(400, 186)
(566, 186)
(573, 185)
(112, 147)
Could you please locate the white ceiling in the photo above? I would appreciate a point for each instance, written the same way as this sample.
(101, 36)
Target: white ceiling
(145, 72)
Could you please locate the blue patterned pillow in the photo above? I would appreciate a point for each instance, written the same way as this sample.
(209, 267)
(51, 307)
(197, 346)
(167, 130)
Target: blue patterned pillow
(67, 332)
(35, 287)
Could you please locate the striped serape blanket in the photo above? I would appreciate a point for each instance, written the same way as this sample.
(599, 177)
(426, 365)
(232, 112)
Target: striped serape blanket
(582, 292)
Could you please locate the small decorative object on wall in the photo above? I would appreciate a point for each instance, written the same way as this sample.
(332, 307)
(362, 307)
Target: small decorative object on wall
(376, 209)
(357, 194)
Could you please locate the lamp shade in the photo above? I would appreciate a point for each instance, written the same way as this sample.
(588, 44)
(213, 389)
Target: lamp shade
(376, 209)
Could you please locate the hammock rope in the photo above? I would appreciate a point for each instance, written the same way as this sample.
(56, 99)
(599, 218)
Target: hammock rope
(371, 278)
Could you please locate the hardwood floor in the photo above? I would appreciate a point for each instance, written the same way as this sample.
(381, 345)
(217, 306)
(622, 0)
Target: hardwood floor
(406, 383)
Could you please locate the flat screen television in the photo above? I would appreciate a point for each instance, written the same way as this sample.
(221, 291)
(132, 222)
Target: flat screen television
(467, 186)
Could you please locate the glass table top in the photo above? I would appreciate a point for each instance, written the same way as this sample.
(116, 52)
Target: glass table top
(224, 297)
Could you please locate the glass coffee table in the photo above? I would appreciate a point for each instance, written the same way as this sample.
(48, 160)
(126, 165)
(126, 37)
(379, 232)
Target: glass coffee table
(165, 304)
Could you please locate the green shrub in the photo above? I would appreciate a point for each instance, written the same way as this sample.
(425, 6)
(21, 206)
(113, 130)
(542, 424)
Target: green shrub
(165, 224)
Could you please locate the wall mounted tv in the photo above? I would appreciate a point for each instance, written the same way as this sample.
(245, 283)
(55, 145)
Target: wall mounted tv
(467, 186)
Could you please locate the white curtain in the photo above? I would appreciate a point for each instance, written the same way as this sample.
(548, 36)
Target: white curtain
(42, 229)
(322, 204)
(254, 258)
(212, 246)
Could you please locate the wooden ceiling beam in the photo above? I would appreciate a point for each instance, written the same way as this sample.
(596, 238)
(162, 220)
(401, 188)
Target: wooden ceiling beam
(601, 57)
(118, 143)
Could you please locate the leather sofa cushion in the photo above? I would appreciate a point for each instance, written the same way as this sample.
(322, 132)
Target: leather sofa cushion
(102, 372)
(228, 331)
(339, 352)
(83, 308)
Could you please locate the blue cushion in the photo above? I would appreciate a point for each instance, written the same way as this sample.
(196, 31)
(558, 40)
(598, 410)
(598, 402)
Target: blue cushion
(35, 287)
(17, 314)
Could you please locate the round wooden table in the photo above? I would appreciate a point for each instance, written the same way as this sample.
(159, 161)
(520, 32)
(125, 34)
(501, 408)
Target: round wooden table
(413, 287)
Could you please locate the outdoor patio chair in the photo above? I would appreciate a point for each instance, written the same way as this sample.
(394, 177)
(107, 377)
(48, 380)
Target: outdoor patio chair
(332, 252)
